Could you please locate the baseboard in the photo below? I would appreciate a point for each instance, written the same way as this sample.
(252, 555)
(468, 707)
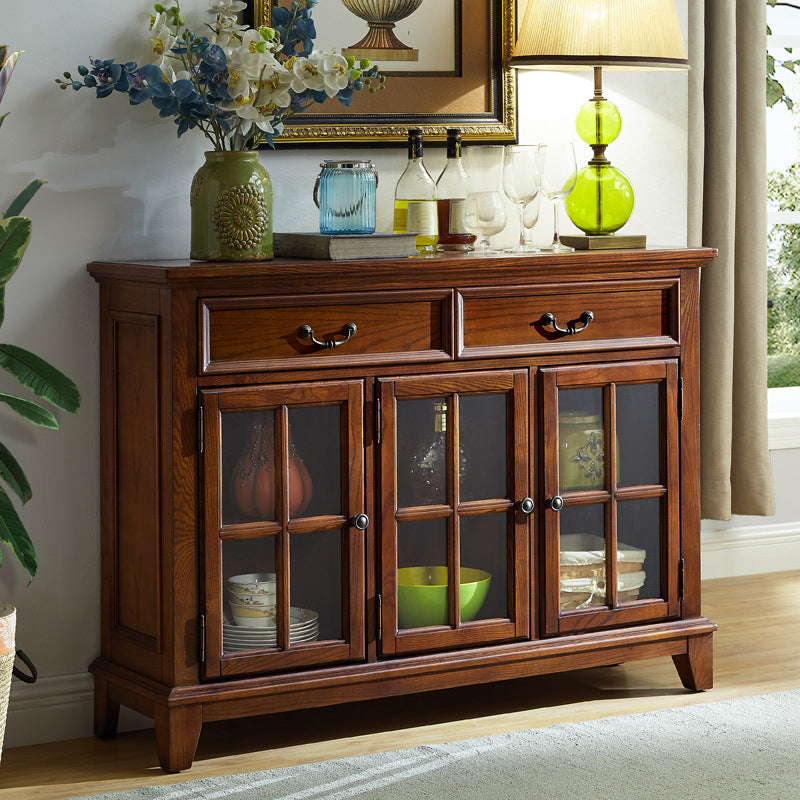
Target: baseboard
(750, 550)
(55, 709)
(59, 708)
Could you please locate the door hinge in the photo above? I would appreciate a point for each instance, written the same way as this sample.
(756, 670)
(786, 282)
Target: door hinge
(680, 398)
(379, 614)
(202, 637)
(681, 568)
(377, 420)
(201, 429)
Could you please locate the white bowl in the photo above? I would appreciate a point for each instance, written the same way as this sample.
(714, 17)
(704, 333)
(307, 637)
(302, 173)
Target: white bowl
(250, 617)
(253, 600)
(253, 583)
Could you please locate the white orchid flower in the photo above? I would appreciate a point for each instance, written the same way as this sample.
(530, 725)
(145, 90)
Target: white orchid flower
(272, 90)
(227, 7)
(307, 75)
(335, 72)
(161, 38)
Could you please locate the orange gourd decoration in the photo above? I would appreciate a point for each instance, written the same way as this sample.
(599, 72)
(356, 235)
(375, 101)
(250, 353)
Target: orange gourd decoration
(244, 472)
(253, 485)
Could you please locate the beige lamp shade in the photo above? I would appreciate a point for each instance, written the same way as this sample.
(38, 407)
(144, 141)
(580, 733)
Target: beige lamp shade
(574, 34)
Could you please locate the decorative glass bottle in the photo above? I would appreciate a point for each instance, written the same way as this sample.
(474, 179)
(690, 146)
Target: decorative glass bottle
(415, 198)
(451, 191)
(429, 466)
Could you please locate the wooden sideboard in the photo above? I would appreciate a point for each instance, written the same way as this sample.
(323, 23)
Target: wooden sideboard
(414, 454)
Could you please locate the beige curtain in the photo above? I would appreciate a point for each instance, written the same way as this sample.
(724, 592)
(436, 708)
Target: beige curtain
(727, 210)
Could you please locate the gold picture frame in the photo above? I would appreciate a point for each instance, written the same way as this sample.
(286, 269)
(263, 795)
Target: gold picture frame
(479, 95)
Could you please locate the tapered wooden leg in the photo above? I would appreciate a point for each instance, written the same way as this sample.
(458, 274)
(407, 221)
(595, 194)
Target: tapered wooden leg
(177, 734)
(106, 710)
(696, 666)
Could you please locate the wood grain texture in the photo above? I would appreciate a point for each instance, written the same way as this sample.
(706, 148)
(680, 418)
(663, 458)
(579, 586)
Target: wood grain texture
(755, 654)
(456, 327)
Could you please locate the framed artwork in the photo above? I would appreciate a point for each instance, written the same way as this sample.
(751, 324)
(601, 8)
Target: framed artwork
(445, 61)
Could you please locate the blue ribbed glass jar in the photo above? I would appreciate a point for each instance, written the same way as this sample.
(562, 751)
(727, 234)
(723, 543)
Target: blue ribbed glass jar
(345, 193)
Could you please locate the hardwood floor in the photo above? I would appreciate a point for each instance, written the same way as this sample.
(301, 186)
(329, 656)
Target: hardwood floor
(756, 650)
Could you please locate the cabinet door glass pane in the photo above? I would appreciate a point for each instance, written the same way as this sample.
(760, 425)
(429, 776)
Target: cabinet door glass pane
(422, 573)
(315, 461)
(582, 555)
(639, 538)
(248, 467)
(250, 592)
(638, 434)
(315, 585)
(483, 430)
(484, 567)
(422, 467)
(581, 440)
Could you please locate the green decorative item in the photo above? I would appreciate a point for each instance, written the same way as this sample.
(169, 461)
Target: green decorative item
(602, 200)
(422, 595)
(32, 372)
(231, 202)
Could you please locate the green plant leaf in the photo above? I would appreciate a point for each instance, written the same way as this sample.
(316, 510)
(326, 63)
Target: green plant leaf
(32, 412)
(2, 303)
(3, 116)
(41, 378)
(11, 472)
(15, 233)
(13, 533)
(23, 198)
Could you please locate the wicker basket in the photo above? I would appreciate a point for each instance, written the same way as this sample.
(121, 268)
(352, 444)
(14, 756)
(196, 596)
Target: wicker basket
(583, 571)
(8, 624)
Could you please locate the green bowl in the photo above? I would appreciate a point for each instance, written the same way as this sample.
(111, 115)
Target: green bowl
(422, 595)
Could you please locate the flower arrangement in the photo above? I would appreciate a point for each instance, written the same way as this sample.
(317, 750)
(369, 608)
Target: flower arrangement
(235, 84)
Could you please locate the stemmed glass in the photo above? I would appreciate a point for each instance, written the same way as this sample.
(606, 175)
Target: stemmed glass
(558, 180)
(521, 185)
(530, 216)
(484, 215)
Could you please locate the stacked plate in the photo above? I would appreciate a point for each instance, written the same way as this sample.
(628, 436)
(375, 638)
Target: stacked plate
(303, 627)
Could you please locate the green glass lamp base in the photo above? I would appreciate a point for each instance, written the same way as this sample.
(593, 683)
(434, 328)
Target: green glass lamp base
(602, 200)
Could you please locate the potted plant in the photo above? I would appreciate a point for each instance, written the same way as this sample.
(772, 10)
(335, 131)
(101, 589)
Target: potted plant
(44, 381)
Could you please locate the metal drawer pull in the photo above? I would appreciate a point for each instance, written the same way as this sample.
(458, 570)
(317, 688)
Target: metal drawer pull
(307, 332)
(556, 503)
(570, 330)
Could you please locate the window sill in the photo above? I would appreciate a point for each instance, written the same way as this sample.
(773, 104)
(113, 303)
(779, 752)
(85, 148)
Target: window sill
(784, 418)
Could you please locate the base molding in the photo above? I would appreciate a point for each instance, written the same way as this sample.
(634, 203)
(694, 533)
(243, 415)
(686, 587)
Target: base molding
(749, 550)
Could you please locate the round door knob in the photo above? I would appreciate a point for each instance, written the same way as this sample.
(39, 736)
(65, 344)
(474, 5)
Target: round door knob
(525, 505)
(360, 521)
(556, 503)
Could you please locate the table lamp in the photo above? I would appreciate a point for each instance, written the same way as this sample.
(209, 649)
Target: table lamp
(592, 34)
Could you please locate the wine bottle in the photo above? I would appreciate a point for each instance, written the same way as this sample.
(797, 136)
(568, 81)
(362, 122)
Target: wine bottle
(451, 191)
(415, 198)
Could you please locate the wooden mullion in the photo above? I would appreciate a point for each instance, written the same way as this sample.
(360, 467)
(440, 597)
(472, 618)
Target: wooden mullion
(282, 556)
(610, 448)
(453, 522)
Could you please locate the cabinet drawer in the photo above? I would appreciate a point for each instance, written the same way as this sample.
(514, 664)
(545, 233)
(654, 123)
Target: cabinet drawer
(512, 320)
(262, 333)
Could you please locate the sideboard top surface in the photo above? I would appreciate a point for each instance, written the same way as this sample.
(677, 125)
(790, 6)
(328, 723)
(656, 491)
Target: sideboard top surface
(287, 274)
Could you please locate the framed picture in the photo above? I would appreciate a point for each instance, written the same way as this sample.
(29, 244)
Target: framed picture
(446, 65)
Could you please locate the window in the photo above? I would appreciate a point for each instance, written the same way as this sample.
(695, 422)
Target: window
(783, 192)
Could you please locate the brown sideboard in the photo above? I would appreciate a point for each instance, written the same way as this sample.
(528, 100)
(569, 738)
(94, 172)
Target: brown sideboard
(417, 453)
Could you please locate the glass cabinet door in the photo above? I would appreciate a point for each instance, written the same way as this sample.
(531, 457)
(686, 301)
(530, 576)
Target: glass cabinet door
(284, 521)
(610, 466)
(454, 541)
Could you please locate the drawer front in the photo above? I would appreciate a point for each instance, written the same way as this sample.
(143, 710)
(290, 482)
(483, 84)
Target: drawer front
(515, 320)
(277, 333)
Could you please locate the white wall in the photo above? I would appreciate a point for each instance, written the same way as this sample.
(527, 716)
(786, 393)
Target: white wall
(117, 188)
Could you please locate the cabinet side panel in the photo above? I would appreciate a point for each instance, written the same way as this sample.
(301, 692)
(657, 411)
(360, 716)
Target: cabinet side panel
(137, 598)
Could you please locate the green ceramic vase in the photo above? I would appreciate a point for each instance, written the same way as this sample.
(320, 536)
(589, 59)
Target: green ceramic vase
(231, 200)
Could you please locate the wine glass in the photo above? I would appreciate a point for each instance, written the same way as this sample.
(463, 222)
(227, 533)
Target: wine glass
(530, 216)
(521, 185)
(484, 215)
(559, 172)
